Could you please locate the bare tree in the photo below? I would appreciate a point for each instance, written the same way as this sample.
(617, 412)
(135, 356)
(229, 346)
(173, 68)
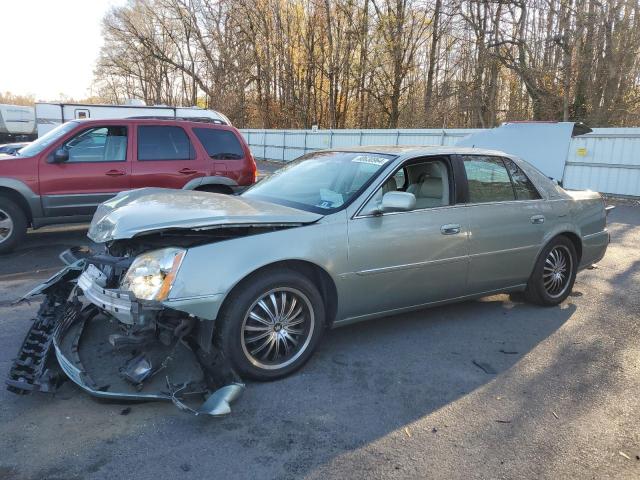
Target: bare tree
(378, 63)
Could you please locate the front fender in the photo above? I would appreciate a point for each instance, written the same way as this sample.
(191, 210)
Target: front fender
(31, 198)
(208, 273)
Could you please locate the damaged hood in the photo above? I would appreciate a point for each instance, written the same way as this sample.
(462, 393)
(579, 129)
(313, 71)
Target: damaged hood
(149, 210)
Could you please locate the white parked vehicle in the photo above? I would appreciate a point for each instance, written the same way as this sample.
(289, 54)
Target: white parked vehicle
(50, 115)
(17, 123)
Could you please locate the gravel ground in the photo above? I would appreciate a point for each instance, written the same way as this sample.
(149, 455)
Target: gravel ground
(493, 388)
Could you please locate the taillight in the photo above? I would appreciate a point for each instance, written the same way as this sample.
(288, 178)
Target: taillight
(254, 173)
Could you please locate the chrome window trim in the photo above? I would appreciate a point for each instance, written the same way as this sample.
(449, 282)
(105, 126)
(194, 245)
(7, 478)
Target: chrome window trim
(370, 215)
(504, 202)
(357, 215)
(455, 205)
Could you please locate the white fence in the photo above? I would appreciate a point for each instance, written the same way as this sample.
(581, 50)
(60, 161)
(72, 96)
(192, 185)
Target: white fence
(606, 160)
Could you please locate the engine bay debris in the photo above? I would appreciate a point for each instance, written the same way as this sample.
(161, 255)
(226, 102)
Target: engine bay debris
(155, 354)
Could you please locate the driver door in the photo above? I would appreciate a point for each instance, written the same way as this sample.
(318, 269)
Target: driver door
(97, 169)
(405, 259)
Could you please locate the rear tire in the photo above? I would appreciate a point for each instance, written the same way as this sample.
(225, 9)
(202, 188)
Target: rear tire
(554, 274)
(13, 224)
(271, 324)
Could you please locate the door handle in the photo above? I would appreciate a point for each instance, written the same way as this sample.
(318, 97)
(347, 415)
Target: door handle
(187, 171)
(115, 173)
(537, 219)
(450, 229)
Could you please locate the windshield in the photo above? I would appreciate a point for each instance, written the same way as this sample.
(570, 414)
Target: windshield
(46, 140)
(321, 182)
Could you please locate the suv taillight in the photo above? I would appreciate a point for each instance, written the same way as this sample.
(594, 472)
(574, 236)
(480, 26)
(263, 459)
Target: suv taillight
(254, 173)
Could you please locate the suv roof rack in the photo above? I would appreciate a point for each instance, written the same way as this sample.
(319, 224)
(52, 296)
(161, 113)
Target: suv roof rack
(216, 121)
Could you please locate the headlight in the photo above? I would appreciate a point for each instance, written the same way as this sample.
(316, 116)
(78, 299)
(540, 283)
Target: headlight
(100, 230)
(151, 274)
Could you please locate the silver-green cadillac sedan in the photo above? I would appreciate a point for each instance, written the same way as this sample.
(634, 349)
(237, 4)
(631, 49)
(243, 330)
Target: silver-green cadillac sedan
(194, 290)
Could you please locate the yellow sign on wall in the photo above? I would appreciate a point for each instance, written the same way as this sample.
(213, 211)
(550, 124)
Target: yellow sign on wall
(581, 152)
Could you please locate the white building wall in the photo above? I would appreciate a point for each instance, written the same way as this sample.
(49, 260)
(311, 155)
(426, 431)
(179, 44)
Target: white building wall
(606, 160)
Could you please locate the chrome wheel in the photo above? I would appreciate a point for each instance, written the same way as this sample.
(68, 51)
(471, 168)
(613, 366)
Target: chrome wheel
(277, 328)
(558, 268)
(6, 226)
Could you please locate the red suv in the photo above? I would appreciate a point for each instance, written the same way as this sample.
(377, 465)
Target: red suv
(64, 175)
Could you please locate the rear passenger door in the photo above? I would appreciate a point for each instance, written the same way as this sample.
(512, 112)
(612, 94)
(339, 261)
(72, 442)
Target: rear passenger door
(165, 157)
(506, 223)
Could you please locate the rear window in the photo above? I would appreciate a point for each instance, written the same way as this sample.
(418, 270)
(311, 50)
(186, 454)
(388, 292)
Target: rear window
(160, 142)
(220, 144)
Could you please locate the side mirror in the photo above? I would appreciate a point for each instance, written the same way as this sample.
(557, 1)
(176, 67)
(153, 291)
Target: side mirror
(398, 202)
(61, 155)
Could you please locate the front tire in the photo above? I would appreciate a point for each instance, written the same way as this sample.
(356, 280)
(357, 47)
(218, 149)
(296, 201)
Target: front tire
(271, 324)
(13, 225)
(554, 274)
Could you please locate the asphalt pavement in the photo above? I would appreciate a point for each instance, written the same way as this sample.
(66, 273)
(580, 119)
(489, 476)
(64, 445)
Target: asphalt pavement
(493, 388)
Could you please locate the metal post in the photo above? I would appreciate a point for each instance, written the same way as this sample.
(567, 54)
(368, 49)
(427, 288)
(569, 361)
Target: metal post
(284, 144)
(331, 138)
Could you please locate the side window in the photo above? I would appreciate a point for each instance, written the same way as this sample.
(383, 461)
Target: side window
(427, 181)
(488, 179)
(160, 142)
(219, 144)
(101, 144)
(401, 179)
(521, 184)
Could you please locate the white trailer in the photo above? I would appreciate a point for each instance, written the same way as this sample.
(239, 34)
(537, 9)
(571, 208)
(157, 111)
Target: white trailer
(17, 123)
(50, 115)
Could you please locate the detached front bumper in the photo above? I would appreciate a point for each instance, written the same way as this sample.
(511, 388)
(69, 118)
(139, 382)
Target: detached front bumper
(82, 355)
(113, 346)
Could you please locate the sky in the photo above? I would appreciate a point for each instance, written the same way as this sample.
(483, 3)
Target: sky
(49, 47)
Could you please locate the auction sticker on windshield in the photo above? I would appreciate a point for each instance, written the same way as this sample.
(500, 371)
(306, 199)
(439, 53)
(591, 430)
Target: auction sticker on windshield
(370, 159)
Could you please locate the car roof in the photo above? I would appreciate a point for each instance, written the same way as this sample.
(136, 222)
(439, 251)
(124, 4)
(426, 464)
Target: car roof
(419, 150)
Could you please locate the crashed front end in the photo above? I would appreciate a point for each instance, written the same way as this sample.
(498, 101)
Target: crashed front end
(129, 323)
(103, 325)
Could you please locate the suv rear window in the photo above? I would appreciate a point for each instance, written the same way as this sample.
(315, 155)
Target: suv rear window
(220, 144)
(160, 142)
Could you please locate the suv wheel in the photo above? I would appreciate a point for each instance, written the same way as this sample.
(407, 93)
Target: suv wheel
(271, 324)
(13, 225)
